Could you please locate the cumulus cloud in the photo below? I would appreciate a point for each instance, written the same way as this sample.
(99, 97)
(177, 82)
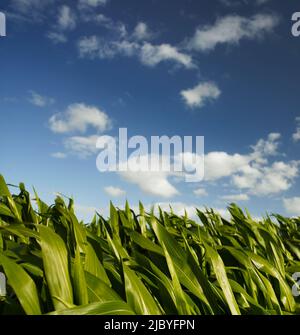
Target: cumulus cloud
(292, 205)
(252, 172)
(147, 179)
(199, 95)
(231, 30)
(40, 100)
(267, 180)
(79, 117)
(219, 164)
(114, 192)
(296, 135)
(266, 147)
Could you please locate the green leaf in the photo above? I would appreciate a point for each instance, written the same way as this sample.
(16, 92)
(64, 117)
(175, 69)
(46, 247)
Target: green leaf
(56, 266)
(102, 308)
(22, 284)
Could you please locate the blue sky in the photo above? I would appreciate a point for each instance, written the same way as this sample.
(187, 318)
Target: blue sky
(225, 70)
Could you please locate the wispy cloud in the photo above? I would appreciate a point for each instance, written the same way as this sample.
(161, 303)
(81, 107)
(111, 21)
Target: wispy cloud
(296, 135)
(231, 30)
(39, 100)
(142, 32)
(57, 37)
(81, 146)
(201, 94)
(235, 197)
(66, 18)
(59, 155)
(66, 21)
(30, 10)
(149, 54)
(200, 192)
(92, 3)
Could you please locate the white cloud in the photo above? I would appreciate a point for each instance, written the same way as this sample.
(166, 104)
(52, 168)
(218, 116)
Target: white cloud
(221, 164)
(267, 180)
(66, 21)
(142, 32)
(29, 10)
(92, 3)
(296, 135)
(66, 18)
(57, 37)
(78, 117)
(292, 205)
(261, 2)
(268, 147)
(231, 30)
(95, 47)
(118, 28)
(153, 183)
(235, 3)
(149, 181)
(40, 100)
(235, 197)
(200, 192)
(149, 54)
(81, 146)
(179, 208)
(252, 172)
(199, 95)
(114, 191)
(152, 55)
(59, 155)
(249, 172)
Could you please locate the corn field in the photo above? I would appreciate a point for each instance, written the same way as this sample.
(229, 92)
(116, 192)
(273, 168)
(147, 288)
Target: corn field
(139, 263)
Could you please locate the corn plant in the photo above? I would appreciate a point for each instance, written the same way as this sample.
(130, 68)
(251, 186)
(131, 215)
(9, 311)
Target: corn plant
(139, 263)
